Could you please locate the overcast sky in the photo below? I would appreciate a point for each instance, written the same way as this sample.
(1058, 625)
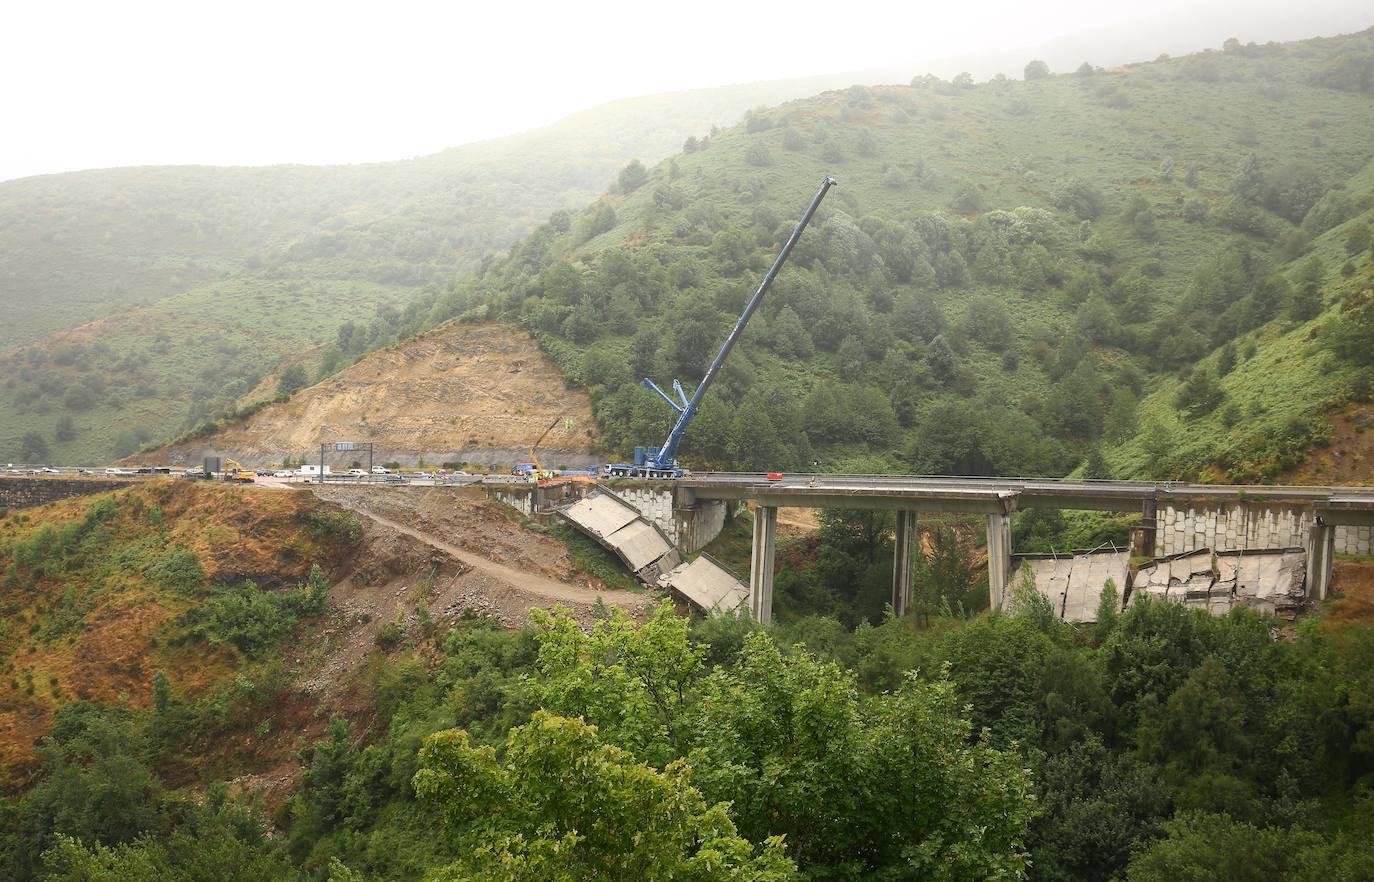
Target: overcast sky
(136, 83)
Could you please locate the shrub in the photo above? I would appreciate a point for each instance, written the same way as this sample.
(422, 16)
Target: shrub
(178, 569)
(244, 616)
(339, 527)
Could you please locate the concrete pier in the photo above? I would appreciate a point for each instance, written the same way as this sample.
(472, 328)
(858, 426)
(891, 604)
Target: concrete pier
(901, 562)
(761, 562)
(999, 558)
(1321, 542)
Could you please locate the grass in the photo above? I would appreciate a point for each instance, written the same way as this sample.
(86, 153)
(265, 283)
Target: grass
(590, 558)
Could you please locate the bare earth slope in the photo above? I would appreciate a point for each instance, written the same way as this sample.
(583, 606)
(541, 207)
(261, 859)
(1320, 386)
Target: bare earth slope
(474, 393)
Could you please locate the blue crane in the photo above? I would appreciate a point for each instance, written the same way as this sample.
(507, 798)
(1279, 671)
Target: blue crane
(661, 462)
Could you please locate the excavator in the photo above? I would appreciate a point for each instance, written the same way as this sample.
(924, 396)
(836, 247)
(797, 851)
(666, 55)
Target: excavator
(237, 474)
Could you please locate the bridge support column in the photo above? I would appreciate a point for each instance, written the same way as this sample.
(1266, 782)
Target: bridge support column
(999, 558)
(1321, 549)
(901, 562)
(761, 564)
(1144, 536)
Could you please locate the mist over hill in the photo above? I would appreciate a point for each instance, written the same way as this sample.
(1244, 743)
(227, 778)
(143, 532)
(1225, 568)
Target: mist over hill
(1147, 271)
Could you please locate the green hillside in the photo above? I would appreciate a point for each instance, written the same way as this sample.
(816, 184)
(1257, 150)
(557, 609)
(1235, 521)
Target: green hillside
(1013, 277)
(199, 280)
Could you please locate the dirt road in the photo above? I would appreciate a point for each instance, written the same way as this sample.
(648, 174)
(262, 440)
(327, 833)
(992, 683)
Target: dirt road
(531, 582)
(463, 524)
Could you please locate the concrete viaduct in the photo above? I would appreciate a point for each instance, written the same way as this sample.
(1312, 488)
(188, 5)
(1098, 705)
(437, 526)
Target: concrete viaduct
(1174, 517)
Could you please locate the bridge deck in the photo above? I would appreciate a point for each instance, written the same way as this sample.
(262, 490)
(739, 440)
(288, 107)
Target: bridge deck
(1337, 505)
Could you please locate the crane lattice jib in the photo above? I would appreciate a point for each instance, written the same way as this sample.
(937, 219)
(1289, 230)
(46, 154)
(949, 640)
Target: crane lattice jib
(666, 457)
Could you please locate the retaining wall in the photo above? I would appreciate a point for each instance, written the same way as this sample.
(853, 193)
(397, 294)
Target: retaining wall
(1240, 526)
(23, 492)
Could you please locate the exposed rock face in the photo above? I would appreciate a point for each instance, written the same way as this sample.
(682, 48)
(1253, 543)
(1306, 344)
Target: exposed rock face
(473, 393)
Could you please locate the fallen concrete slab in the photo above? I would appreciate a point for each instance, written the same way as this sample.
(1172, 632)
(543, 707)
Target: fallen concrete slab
(600, 514)
(618, 526)
(708, 585)
(1074, 583)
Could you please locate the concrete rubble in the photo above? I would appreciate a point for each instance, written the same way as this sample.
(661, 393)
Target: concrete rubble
(1270, 580)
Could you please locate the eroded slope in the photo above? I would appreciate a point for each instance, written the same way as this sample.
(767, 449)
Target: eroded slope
(473, 393)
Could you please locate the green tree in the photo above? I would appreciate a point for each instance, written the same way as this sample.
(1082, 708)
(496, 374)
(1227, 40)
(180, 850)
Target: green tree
(988, 322)
(788, 337)
(941, 360)
(1038, 70)
(632, 176)
(1226, 358)
(786, 740)
(559, 804)
(1305, 302)
(33, 448)
(1358, 240)
(1158, 442)
(292, 380)
(1350, 334)
(65, 429)
(1120, 422)
(1081, 197)
(126, 443)
(1095, 466)
(1201, 846)
(162, 692)
(1293, 189)
(1200, 394)
(1096, 805)
(996, 664)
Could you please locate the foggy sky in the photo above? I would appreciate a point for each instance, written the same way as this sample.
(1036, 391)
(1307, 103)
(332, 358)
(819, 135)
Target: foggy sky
(92, 85)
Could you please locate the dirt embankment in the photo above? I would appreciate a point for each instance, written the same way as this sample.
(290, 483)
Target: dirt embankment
(464, 524)
(472, 393)
(1349, 459)
(107, 622)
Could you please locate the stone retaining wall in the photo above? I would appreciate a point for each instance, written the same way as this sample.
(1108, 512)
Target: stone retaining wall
(25, 492)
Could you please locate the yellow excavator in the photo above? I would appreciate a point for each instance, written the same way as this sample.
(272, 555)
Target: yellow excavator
(237, 474)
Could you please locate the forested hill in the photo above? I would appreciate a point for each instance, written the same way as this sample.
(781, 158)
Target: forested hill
(1148, 270)
(138, 301)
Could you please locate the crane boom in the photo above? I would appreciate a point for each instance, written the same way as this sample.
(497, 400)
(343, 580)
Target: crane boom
(534, 457)
(661, 461)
